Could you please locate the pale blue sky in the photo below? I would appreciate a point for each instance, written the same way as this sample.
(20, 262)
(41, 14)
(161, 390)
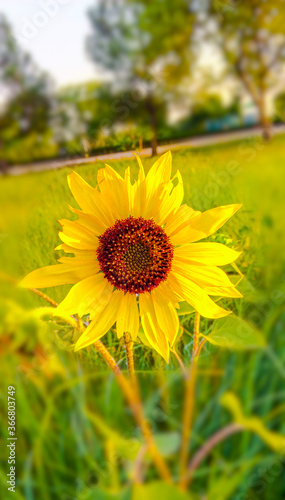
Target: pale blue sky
(55, 38)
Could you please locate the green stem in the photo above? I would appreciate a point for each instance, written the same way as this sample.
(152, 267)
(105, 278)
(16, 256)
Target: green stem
(189, 404)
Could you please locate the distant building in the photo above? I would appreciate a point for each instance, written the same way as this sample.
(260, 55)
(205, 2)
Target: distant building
(249, 114)
(226, 122)
(248, 118)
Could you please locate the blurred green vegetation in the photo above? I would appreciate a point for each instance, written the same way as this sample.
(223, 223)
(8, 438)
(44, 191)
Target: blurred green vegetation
(76, 440)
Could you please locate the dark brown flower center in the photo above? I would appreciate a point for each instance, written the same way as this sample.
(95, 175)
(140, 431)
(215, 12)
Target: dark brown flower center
(135, 255)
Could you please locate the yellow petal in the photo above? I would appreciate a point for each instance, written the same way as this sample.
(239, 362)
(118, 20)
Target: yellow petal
(90, 199)
(128, 316)
(152, 330)
(82, 192)
(179, 219)
(101, 322)
(88, 296)
(166, 314)
(130, 190)
(139, 199)
(202, 275)
(78, 233)
(139, 192)
(204, 224)
(154, 205)
(159, 173)
(77, 243)
(207, 254)
(195, 296)
(158, 187)
(114, 189)
(223, 291)
(141, 175)
(171, 201)
(169, 293)
(61, 274)
(89, 221)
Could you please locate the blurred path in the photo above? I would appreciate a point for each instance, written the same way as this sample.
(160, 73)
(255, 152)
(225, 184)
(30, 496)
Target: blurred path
(194, 142)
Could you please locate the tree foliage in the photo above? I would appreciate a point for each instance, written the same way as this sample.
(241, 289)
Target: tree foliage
(27, 91)
(252, 39)
(144, 46)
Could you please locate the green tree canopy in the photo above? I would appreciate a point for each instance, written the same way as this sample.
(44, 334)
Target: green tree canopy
(142, 45)
(251, 36)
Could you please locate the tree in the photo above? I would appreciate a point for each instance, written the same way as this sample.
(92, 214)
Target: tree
(27, 90)
(144, 48)
(252, 39)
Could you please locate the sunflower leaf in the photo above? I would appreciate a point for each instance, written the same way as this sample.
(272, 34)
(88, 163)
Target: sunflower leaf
(236, 334)
(185, 308)
(167, 442)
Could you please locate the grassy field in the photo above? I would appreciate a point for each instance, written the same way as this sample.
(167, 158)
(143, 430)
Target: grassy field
(75, 438)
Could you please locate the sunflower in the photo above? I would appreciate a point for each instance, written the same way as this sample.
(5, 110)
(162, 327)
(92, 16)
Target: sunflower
(136, 256)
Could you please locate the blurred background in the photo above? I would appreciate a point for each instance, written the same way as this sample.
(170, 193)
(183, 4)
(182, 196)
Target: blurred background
(79, 78)
(85, 78)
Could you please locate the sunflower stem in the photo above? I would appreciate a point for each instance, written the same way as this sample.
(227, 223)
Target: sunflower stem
(196, 334)
(44, 296)
(135, 404)
(129, 347)
(180, 362)
(130, 355)
(36, 292)
(189, 404)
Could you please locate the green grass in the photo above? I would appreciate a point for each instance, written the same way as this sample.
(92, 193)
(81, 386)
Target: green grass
(63, 452)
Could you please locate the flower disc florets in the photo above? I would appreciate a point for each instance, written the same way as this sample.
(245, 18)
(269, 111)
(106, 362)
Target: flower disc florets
(135, 255)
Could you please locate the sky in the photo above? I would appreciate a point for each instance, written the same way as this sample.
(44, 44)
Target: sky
(54, 32)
